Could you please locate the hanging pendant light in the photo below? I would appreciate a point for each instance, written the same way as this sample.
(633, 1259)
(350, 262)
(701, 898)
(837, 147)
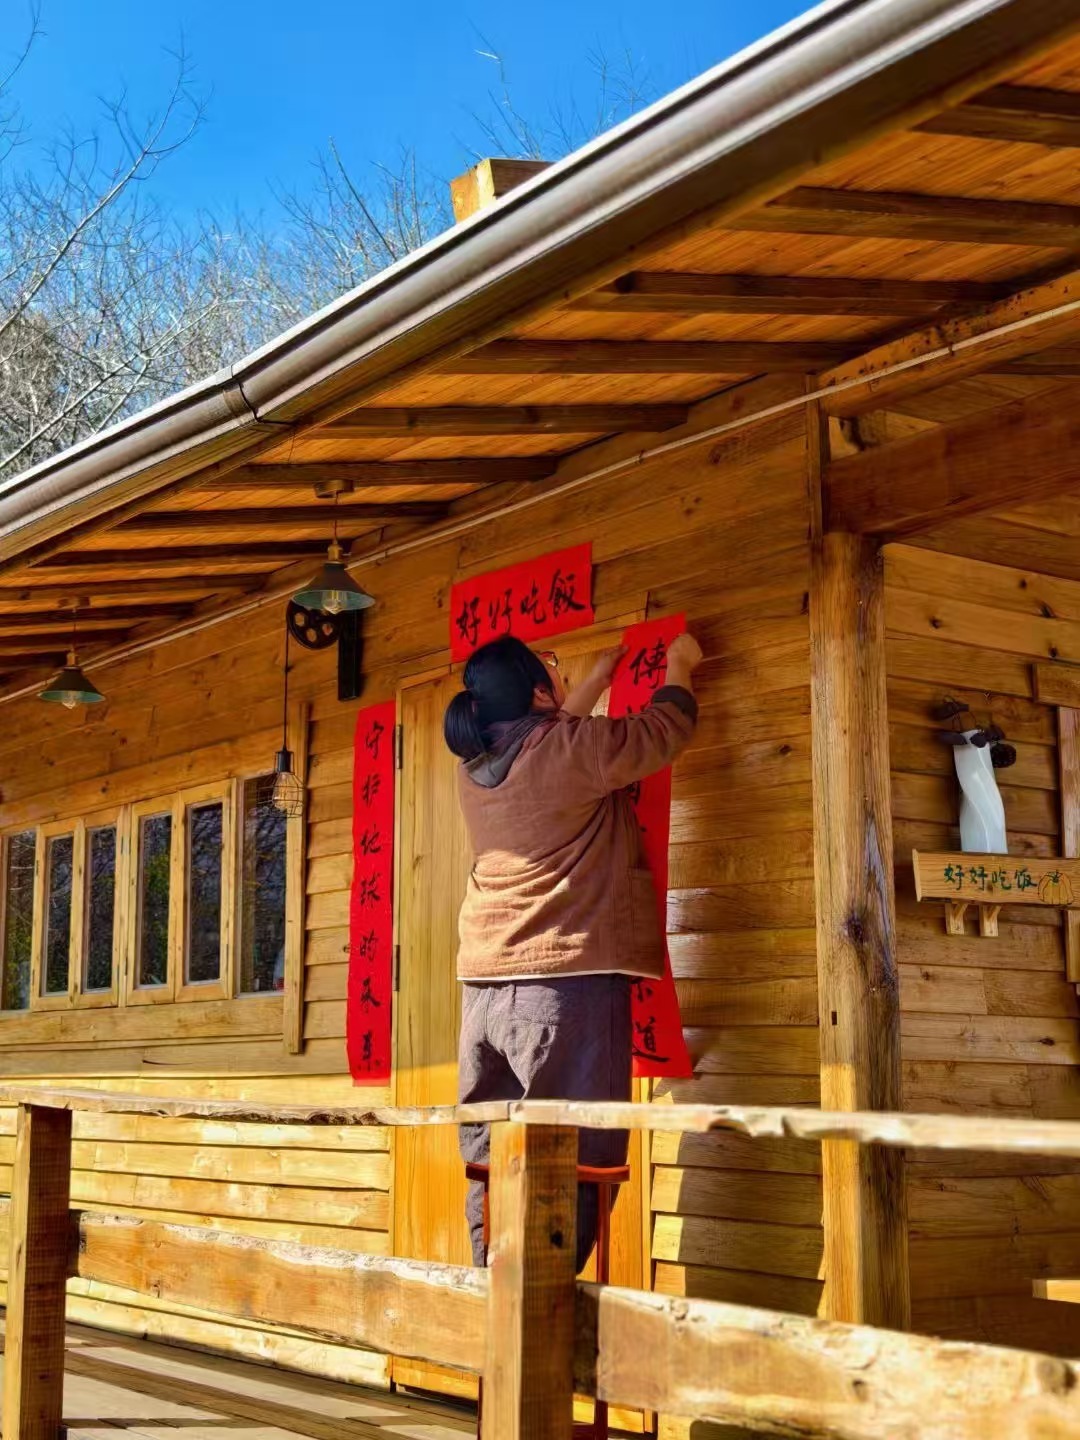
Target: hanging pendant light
(286, 792)
(70, 687)
(333, 589)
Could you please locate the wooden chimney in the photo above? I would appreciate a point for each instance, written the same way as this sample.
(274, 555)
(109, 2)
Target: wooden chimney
(489, 181)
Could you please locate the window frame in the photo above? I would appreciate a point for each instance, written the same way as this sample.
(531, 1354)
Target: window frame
(126, 817)
(64, 1000)
(223, 987)
(134, 993)
(5, 840)
(82, 999)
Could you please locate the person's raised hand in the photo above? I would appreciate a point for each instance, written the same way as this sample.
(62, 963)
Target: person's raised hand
(607, 662)
(684, 653)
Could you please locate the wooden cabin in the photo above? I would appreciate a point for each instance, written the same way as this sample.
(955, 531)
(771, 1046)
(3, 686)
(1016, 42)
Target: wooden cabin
(796, 351)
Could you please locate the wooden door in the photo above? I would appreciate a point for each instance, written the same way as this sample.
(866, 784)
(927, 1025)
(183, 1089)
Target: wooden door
(429, 1184)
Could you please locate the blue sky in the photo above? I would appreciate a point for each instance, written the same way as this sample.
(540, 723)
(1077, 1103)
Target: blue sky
(284, 78)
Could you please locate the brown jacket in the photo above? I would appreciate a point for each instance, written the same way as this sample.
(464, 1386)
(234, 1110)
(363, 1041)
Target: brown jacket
(558, 884)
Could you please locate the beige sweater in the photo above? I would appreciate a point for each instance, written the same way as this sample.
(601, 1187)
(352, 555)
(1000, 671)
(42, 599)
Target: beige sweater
(558, 884)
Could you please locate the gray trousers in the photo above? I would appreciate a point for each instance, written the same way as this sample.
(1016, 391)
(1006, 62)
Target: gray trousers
(560, 1039)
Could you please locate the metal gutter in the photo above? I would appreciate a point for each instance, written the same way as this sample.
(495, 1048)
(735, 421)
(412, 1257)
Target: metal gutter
(738, 134)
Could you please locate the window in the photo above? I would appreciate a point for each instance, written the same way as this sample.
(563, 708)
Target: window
(178, 898)
(153, 877)
(59, 885)
(19, 856)
(262, 893)
(99, 915)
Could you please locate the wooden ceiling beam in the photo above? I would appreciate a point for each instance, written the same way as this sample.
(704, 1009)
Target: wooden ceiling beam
(190, 585)
(1026, 451)
(1013, 113)
(361, 474)
(271, 517)
(47, 659)
(454, 420)
(1063, 363)
(146, 557)
(645, 357)
(966, 345)
(15, 622)
(649, 292)
(895, 215)
(59, 642)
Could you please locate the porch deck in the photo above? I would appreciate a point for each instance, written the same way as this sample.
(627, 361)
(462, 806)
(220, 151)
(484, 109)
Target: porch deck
(118, 1383)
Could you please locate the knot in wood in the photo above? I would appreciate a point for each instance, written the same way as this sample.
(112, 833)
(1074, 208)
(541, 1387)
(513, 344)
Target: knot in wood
(855, 929)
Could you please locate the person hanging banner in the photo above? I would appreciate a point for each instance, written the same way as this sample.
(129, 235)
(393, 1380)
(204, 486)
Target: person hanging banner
(371, 906)
(547, 595)
(659, 1044)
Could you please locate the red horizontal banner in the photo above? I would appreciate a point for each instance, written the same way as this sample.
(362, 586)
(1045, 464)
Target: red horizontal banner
(548, 595)
(371, 907)
(659, 1045)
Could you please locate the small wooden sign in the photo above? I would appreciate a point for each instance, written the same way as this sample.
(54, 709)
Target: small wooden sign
(997, 879)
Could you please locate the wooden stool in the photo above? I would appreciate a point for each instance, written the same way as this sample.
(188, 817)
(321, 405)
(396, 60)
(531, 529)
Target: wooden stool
(606, 1179)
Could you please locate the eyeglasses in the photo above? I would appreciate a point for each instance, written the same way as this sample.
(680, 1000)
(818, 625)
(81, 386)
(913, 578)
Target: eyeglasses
(550, 659)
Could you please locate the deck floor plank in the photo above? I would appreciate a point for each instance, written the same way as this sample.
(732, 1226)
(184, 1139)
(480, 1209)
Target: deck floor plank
(117, 1386)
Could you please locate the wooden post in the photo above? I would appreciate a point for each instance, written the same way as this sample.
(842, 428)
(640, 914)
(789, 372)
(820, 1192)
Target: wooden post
(866, 1262)
(38, 1266)
(529, 1369)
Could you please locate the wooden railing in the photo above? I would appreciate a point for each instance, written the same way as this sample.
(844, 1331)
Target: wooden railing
(525, 1324)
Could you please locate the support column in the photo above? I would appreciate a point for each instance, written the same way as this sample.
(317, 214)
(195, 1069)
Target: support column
(866, 1260)
(38, 1267)
(529, 1369)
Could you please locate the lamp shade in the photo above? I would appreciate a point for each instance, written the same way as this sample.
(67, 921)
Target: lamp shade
(286, 793)
(333, 589)
(71, 687)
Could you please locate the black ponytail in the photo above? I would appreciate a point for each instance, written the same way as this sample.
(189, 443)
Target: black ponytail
(461, 729)
(500, 681)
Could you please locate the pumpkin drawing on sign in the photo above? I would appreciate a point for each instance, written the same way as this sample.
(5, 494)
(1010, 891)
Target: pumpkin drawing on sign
(1055, 889)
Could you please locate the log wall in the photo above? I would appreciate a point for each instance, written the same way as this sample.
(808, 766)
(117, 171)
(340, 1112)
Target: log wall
(990, 1026)
(719, 532)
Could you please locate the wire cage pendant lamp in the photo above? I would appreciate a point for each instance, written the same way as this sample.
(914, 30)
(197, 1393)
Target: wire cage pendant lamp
(333, 589)
(70, 686)
(285, 792)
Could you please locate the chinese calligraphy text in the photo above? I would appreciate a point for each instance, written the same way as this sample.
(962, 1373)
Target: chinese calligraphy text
(659, 1046)
(997, 879)
(371, 920)
(545, 596)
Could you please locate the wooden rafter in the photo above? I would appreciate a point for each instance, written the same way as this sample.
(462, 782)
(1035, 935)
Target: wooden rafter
(901, 216)
(504, 420)
(152, 555)
(357, 474)
(188, 585)
(657, 357)
(645, 291)
(1025, 451)
(1014, 113)
(1063, 362)
(33, 621)
(58, 642)
(271, 517)
(18, 658)
(937, 354)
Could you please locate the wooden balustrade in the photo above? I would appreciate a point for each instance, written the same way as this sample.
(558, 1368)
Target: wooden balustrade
(533, 1331)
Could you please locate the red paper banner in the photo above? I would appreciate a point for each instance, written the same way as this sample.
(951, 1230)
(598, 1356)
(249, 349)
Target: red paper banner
(659, 1045)
(371, 907)
(544, 596)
